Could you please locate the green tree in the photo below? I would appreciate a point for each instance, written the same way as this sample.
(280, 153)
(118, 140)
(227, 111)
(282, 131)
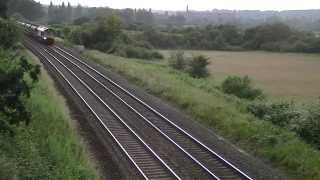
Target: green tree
(15, 75)
(127, 17)
(144, 17)
(194, 39)
(3, 8)
(268, 33)
(230, 33)
(69, 12)
(62, 13)
(51, 13)
(77, 12)
(178, 60)
(14, 88)
(27, 8)
(198, 67)
(177, 20)
(59, 14)
(9, 34)
(106, 32)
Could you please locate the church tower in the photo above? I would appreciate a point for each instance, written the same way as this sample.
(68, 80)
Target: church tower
(187, 10)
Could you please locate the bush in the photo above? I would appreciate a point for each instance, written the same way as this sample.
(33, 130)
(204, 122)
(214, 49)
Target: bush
(309, 126)
(305, 121)
(141, 53)
(241, 87)
(156, 55)
(133, 52)
(198, 67)
(130, 51)
(282, 114)
(9, 34)
(81, 20)
(178, 60)
(76, 36)
(15, 87)
(49, 147)
(56, 30)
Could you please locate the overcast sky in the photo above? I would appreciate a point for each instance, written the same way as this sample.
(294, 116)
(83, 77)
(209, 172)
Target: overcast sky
(198, 4)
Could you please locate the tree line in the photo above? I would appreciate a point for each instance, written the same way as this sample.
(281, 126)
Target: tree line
(147, 33)
(58, 14)
(30, 10)
(271, 37)
(96, 33)
(277, 37)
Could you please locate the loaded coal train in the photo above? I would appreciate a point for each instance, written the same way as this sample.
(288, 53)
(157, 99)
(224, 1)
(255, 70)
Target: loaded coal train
(38, 32)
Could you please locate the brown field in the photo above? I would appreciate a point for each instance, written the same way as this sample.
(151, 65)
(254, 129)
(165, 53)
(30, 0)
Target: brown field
(280, 75)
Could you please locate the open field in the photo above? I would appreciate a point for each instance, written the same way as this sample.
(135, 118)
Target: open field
(284, 75)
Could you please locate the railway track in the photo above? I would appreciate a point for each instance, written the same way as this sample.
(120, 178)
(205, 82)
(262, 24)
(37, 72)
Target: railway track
(138, 152)
(127, 109)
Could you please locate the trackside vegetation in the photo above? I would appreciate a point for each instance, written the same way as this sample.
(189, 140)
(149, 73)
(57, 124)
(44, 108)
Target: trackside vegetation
(228, 115)
(105, 34)
(37, 140)
(241, 87)
(46, 148)
(196, 66)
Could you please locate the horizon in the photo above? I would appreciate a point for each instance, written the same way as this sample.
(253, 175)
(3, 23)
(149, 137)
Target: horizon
(180, 5)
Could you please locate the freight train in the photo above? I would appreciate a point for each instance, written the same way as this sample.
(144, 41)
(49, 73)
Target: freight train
(38, 32)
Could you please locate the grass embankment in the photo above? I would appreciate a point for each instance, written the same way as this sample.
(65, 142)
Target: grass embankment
(226, 114)
(48, 148)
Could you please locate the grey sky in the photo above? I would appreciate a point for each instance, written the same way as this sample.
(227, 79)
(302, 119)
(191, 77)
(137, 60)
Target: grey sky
(198, 4)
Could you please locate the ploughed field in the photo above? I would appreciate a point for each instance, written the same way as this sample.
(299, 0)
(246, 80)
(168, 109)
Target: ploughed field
(286, 75)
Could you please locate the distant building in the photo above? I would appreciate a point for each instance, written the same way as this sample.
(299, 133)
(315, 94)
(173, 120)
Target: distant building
(187, 10)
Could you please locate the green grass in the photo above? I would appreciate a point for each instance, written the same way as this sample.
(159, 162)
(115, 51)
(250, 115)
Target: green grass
(224, 113)
(48, 148)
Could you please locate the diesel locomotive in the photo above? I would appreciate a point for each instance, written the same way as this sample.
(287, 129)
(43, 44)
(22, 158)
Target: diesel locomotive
(38, 32)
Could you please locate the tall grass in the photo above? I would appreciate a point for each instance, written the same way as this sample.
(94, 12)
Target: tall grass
(48, 148)
(224, 113)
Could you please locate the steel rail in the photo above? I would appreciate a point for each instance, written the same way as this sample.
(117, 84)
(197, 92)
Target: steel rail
(113, 112)
(145, 119)
(159, 114)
